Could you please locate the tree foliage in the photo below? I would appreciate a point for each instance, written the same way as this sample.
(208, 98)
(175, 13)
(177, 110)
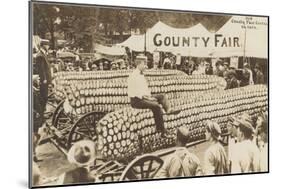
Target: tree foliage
(84, 26)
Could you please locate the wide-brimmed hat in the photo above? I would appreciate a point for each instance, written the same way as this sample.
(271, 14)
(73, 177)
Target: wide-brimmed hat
(214, 129)
(244, 121)
(82, 153)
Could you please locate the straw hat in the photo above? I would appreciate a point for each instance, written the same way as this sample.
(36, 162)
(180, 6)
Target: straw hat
(244, 121)
(82, 153)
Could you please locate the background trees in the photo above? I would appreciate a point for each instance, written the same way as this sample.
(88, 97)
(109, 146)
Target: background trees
(86, 26)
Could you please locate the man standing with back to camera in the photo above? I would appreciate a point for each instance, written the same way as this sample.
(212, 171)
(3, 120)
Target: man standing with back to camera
(141, 98)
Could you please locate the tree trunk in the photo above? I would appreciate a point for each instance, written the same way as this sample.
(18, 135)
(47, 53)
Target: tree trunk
(52, 32)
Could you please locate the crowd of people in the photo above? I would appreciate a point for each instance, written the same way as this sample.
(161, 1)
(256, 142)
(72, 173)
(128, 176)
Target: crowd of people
(247, 75)
(247, 150)
(234, 77)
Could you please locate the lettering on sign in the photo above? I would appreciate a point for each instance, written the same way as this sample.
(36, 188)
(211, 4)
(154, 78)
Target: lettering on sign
(195, 41)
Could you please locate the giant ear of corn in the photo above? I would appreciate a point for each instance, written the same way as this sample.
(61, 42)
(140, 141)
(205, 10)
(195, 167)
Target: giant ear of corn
(128, 132)
(64, 79)
(107, 91)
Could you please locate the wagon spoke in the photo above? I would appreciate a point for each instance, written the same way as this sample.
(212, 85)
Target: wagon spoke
(82, 134)
(149, 169)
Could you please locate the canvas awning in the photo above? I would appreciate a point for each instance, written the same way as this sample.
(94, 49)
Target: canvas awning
(252, 33)
(240, 36)
(134, 42)
(113, 51)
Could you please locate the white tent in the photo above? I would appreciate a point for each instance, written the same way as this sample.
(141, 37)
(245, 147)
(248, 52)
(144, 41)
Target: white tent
(113, 51)
(240, 36)
(252, 34)
(134, 42)
(186, 41)
(175, 37)
(257, 38)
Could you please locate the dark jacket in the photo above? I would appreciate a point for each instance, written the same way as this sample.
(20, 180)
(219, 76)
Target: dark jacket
(232, 83)
(259, 78)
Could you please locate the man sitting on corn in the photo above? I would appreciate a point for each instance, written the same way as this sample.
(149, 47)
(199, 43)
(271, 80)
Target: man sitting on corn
(141, 98)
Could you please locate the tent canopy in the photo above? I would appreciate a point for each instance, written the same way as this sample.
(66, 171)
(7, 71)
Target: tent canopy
(134, 42)
(240, 36)
(252, 33)
(113, 51)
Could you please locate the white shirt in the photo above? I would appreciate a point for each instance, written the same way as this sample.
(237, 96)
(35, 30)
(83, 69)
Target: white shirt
(245, 157)
(137, 85)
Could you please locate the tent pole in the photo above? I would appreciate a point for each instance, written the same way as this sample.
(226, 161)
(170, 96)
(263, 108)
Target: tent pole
(245, 36)
(145, 42)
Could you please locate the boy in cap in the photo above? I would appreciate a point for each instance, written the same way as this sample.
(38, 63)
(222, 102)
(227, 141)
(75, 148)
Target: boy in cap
(245, 156)
(215, 160)
(141, 98)
(181, 163)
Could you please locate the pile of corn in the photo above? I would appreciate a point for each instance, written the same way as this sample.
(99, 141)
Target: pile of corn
(64, 79)
(108, 91)
(128, 132)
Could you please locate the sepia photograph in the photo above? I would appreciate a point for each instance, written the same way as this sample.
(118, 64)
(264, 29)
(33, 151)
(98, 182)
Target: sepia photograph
(121, 94)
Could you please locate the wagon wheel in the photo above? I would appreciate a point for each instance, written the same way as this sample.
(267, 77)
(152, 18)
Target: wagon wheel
(61, 120)
(57, 110)
(143, 167)
(52, 100)
(84, 128)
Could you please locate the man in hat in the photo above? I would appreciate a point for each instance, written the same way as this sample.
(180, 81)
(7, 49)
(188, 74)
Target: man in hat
(167, 63)
(215, 160)
(141, 98)
(181, 163)
(259, 75)
(230, 78)
(113, 66)
(40, 89)
(219, 69)
(42, 68)
(196, 70)
(100, 66)
(226, 66)
(106, 65)
(247, 75)
(208, 69)
(246, 155)
(82, 155)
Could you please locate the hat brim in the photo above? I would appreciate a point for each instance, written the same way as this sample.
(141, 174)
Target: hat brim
(86, 143)
(240, 123)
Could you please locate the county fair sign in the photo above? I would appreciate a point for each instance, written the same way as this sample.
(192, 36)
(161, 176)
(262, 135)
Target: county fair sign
(238, 37)
(217, 40)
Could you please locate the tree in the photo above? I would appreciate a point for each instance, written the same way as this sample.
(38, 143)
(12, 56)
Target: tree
(44, 20)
